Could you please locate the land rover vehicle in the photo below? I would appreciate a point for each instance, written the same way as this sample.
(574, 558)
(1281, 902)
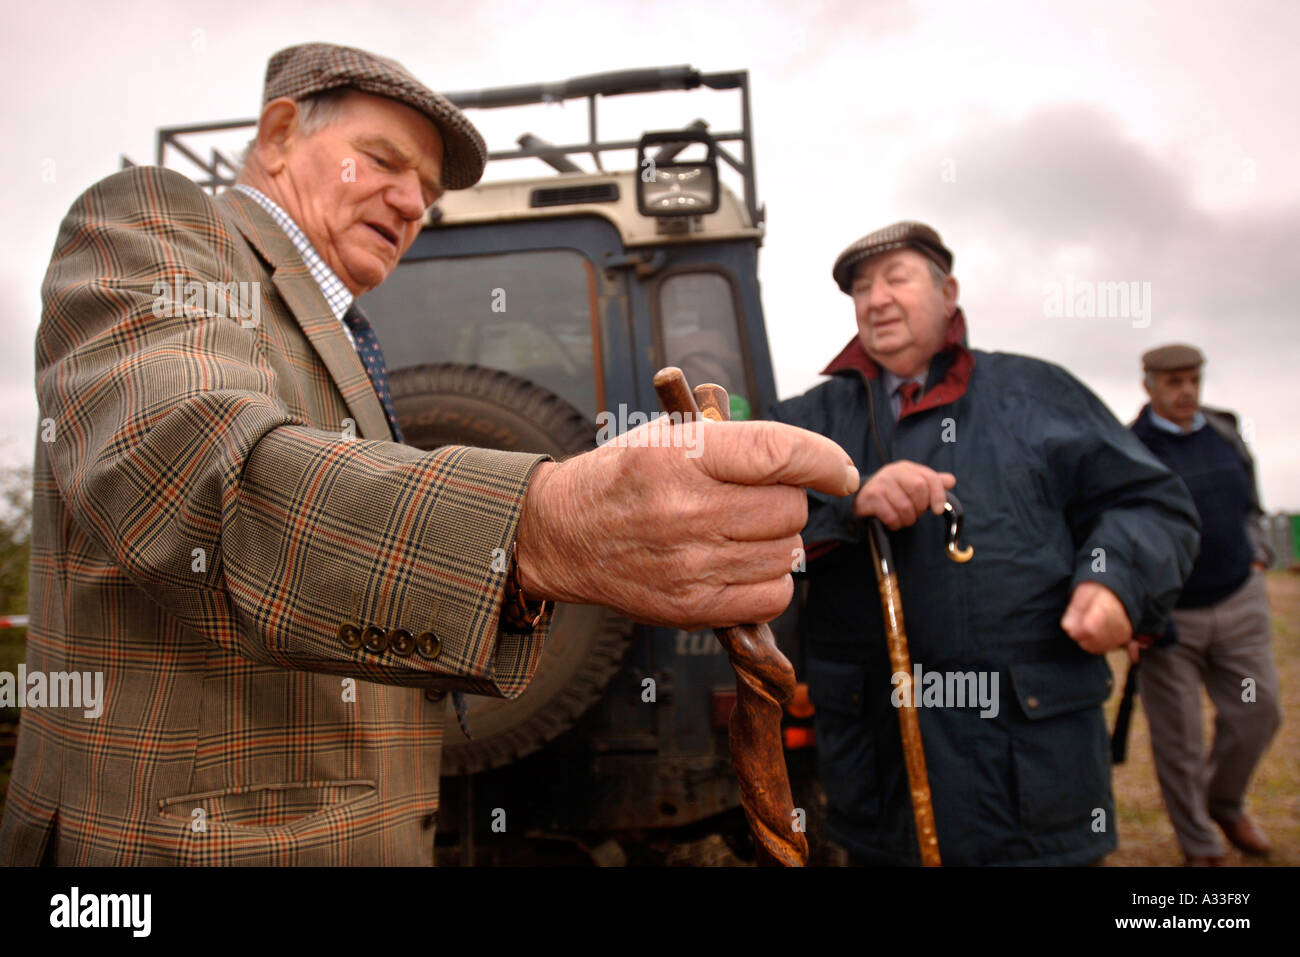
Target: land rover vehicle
(530, 314)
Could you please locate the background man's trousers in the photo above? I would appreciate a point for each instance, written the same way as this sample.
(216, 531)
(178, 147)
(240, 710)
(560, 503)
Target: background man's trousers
(1219, 646)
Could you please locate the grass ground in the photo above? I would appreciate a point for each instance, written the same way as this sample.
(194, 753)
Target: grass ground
(1145, 834)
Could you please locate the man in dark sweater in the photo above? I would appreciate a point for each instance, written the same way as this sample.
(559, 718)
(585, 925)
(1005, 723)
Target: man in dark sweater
(1221, 622)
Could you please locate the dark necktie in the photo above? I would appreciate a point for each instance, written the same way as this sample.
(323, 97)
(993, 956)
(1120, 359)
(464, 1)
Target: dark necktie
(909, 392)
(372, 357)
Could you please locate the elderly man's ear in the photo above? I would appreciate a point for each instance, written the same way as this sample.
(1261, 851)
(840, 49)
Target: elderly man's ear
(276, 130)
(950, 290)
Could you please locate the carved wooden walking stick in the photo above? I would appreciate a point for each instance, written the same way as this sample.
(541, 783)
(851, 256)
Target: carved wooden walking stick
(764, 681)
(900, 659)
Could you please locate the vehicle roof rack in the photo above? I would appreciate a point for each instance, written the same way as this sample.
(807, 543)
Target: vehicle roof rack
(218, 169)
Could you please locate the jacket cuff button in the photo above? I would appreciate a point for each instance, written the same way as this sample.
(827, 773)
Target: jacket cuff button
(350, 635)
(428, 645)
(375, 639)
(401, 642)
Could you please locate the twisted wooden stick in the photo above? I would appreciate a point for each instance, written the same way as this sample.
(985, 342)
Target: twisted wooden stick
(764, 682)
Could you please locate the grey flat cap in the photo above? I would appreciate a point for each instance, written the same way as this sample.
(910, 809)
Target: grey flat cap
(1172, 358)
(902, 235)
(309, 68)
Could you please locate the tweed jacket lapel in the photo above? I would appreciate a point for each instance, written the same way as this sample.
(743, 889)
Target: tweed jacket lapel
(323, 330)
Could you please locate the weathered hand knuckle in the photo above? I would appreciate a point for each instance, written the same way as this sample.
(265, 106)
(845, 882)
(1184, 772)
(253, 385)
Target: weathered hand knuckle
(775, 449)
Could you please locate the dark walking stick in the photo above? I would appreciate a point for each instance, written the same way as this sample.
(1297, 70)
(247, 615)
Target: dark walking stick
(1119, 739)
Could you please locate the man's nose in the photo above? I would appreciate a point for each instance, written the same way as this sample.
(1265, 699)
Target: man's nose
(406, 197)
(880, 295)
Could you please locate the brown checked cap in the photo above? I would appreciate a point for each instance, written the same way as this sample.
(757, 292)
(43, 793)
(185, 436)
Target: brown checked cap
(916, 236)
(1172, 358)
(309, 68)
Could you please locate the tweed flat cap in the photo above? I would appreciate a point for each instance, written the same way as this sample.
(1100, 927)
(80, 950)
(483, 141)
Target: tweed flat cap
(309, 68)
(902, 235)
(1171, 358)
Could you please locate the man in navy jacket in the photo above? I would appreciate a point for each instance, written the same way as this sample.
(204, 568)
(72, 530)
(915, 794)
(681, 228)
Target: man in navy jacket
(1080, 537)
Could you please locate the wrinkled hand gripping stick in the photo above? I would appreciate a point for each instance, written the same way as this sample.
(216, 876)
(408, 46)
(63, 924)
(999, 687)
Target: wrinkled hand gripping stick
(764, 682)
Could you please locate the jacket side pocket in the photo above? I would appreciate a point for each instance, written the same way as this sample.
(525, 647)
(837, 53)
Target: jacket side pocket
(1062, 752)
(261, 806)
(846, 747)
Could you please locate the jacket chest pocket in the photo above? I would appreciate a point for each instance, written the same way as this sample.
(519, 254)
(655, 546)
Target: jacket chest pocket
(1023, 520)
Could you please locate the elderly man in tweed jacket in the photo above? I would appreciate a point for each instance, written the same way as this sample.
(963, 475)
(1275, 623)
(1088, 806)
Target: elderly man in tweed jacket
(275, 591)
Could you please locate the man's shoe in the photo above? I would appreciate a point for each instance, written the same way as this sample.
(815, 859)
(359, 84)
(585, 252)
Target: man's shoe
(1206, 860)
(1244, 834)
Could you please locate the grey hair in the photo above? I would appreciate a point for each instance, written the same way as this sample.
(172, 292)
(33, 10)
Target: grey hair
(936, 272)
(320, 109)
(315, 112)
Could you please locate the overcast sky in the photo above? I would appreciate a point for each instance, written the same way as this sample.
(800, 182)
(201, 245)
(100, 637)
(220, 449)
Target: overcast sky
(1151, 143)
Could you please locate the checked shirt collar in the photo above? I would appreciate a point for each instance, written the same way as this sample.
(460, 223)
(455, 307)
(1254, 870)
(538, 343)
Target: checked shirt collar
(340, 300)
(331, 286)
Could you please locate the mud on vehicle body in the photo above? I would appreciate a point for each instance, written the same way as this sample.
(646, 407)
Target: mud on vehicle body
(531, 314)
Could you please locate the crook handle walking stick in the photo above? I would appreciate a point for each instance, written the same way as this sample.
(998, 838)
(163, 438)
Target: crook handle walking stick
(764, 681)
(900, 659)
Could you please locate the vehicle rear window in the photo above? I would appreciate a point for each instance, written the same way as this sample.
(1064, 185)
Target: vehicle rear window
(697, 315)
(529, 313)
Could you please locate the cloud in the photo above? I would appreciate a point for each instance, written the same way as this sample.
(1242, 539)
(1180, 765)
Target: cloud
(1065, 194)
(1066, 173)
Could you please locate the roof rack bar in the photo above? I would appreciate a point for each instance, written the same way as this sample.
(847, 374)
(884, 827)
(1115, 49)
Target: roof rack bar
(607, 147)
(749, 174)
(185, 151)
(590, 87)
(668, 152)
(558, 161)
(616, 83)
(591, 130)
(734, 163)
(169, 131)
(219, 159)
